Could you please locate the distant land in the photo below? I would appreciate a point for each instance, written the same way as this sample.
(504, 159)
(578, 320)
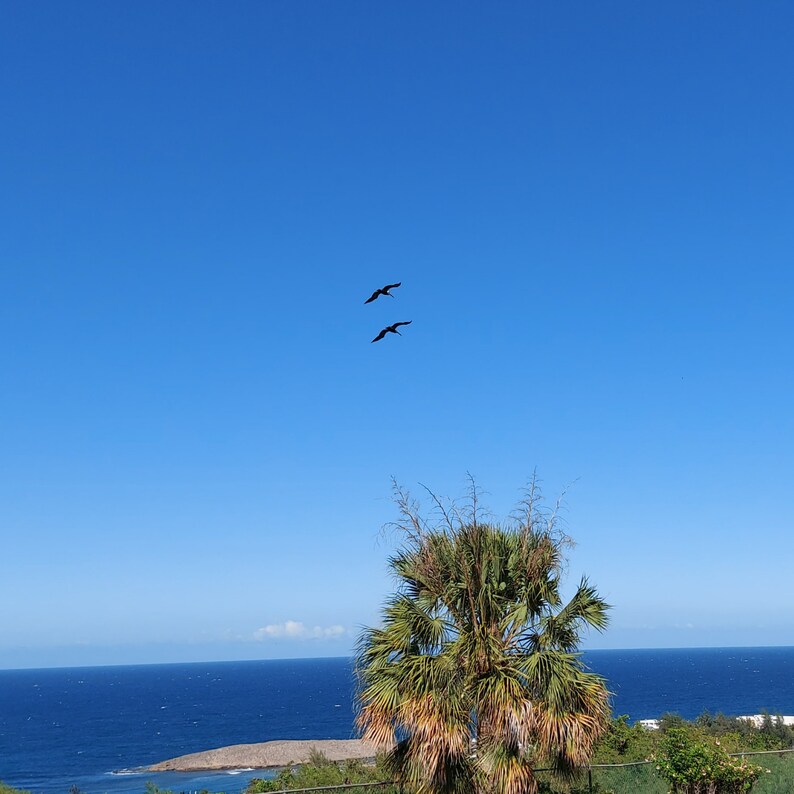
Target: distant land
(263, 755)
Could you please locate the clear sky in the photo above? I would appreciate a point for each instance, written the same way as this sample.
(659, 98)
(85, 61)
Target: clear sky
(591, 209)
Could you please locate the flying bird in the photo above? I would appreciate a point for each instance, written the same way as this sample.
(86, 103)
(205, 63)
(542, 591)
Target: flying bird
(391, 329)
(382, 291)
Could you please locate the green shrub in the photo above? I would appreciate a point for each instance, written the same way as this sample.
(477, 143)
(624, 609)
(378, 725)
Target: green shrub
(623, 742)
(322, 772)
(772, 734)
(691, 766)
(153, 788)
(4, 789)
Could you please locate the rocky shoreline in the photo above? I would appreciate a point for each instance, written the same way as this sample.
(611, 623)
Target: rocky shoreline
(266, 754)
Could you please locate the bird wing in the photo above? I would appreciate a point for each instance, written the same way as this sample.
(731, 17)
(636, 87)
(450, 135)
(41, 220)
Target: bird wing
(373, 296)
(381, 335)
(407, 322)
(392, 286)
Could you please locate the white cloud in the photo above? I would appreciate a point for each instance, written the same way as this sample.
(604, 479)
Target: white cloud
(294, 629)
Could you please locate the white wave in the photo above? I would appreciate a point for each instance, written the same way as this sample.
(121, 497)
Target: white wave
(239, 771)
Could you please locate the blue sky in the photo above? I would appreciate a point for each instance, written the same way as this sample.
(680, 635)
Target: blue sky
(589, 206)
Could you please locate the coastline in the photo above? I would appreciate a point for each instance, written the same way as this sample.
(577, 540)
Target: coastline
(756, 720)
(266, 755)
(282, 753)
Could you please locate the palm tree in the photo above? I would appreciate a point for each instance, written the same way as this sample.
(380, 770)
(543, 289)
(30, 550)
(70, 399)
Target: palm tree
(473, 681)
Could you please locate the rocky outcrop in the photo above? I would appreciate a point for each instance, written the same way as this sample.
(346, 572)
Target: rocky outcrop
(266, 754)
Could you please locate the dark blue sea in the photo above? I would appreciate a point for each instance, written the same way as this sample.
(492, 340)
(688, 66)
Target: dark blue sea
(94, 727)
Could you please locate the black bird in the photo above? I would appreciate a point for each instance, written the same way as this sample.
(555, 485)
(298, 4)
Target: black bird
(391, 329)
(382, 291)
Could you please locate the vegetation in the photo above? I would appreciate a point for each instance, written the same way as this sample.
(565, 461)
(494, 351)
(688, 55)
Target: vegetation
(692, 766)
(153, 788)
(773, 734)
(779, 777)
(704, 745)
(620, 744)
(623, 743)
(4, 789)
(322, 772)
(473, 681)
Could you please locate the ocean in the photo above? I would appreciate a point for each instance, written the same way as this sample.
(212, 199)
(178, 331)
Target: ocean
(94, 727)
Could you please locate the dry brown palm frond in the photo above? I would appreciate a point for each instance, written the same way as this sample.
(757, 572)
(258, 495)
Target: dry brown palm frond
(507, 768)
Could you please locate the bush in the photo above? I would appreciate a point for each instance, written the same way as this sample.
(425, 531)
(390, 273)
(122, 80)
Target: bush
(4, 789)
(694, 767)
(322, 772)
(623, 742)
(772, 734)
